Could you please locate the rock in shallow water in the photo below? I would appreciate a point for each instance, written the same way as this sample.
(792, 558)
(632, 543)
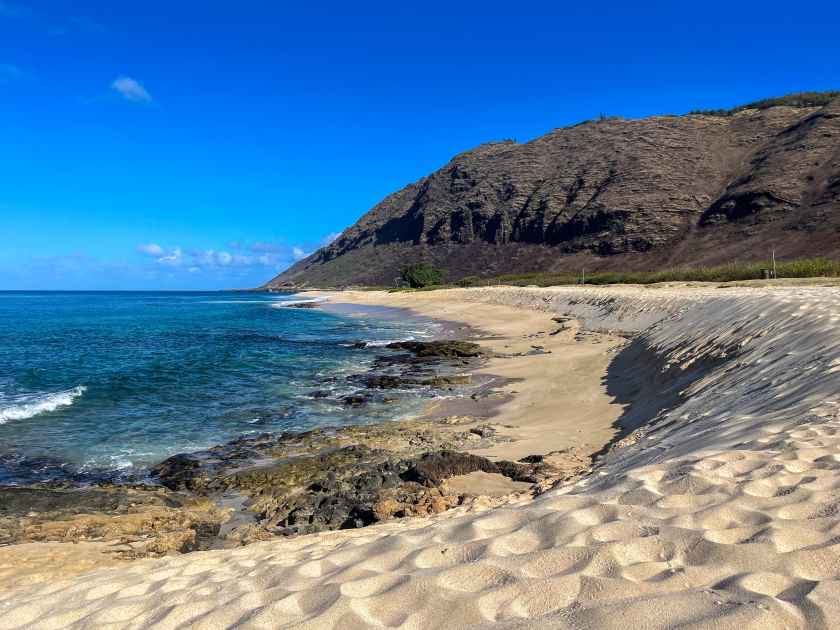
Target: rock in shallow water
(439, 349)
(181, 471)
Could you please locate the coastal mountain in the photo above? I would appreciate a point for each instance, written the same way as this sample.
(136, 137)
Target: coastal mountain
(702, 188)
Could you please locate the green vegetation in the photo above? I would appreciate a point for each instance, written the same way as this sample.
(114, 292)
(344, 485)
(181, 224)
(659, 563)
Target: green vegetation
(736, 271)
(802, 268)
(431, 287)
(421, 275)
(799, 99)
(471, 281)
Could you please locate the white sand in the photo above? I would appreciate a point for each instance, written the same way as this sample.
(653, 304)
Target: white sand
(725, 514)
(558, 400)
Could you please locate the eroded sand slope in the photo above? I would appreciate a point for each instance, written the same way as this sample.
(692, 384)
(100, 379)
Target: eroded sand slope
(724, 513)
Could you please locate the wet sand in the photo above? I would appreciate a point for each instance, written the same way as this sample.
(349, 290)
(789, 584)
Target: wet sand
(548, 377)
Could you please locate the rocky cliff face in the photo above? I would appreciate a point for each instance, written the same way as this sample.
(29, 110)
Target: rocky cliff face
(609, 194)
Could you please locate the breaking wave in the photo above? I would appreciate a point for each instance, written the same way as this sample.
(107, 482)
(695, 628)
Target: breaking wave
(22, 407)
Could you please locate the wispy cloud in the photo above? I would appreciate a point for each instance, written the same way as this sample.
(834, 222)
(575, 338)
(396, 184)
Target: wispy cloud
(150, 249)
(196, 260)
(157, 264)
(264, 247)
(238, 263)
(131, 90)
(173, 258)
(169, 257)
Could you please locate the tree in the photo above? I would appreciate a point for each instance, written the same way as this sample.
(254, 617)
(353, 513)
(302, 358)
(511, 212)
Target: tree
(421, 275)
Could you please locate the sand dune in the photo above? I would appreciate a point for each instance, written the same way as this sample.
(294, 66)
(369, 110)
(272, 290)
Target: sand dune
(723, 510)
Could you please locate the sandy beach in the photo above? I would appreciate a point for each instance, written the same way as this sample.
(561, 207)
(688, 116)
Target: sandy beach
(548, 375)
(716, 507)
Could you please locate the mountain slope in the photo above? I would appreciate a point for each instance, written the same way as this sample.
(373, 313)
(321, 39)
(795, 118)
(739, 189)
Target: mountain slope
(609, 194)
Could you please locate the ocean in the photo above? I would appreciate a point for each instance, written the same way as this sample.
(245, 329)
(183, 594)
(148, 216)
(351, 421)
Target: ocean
(100, 385)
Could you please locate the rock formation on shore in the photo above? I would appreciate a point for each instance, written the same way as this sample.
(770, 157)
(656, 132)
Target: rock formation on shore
(610, 194)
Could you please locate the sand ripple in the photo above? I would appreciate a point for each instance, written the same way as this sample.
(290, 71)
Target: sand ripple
(725, 513)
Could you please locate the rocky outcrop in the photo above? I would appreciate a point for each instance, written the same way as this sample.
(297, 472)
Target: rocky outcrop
(444, 349)
(612, 193)
(136, 521)
(300, 483)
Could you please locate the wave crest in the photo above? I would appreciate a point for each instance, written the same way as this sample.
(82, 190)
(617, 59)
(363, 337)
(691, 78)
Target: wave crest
(31, 405)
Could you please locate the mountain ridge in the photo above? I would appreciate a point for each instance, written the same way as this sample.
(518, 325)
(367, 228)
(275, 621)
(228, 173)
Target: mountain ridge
(612, 193)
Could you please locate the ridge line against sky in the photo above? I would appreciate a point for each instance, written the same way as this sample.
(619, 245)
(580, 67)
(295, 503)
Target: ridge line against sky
(200, 145)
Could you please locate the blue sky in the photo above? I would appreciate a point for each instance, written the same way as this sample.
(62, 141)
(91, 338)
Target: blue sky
(208, 144)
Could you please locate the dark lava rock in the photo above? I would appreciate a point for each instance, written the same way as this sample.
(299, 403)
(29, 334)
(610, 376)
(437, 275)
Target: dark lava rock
(434, 468)
(532, 459)
(484, 430)
(181, 472)
(517, 472)
(388, 381)
(301, 305)
(385, 381)
(371, 493)
(355, 400)
(446, 380)
(319, 393)
(300, 483)
(438, 349)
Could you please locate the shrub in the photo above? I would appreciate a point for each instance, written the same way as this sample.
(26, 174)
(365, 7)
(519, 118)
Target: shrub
(471, 281)
(798, 99)
(421, 275)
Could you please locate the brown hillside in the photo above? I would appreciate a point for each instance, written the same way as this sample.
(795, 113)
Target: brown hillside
(610, 194)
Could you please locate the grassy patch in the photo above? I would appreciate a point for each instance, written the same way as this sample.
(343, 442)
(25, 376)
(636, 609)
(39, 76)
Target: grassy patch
(798, 99)
(801, 268)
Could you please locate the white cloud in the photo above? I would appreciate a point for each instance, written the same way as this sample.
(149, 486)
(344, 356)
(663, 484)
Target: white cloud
(264, 247)
(173, 258)
(248, 262)
(131, 90)
(150, 249)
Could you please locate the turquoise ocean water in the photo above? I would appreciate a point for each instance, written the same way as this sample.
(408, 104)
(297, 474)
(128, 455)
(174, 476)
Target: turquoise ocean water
(102, 384)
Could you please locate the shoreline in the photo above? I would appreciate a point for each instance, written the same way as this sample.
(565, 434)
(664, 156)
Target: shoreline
(716, 505)
(547, 377)
(502, 416)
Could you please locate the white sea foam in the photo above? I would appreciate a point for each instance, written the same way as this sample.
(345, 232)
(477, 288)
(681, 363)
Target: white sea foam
(27, 406)
(380, 343)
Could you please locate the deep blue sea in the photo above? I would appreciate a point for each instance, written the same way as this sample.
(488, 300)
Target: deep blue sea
(93, 384)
